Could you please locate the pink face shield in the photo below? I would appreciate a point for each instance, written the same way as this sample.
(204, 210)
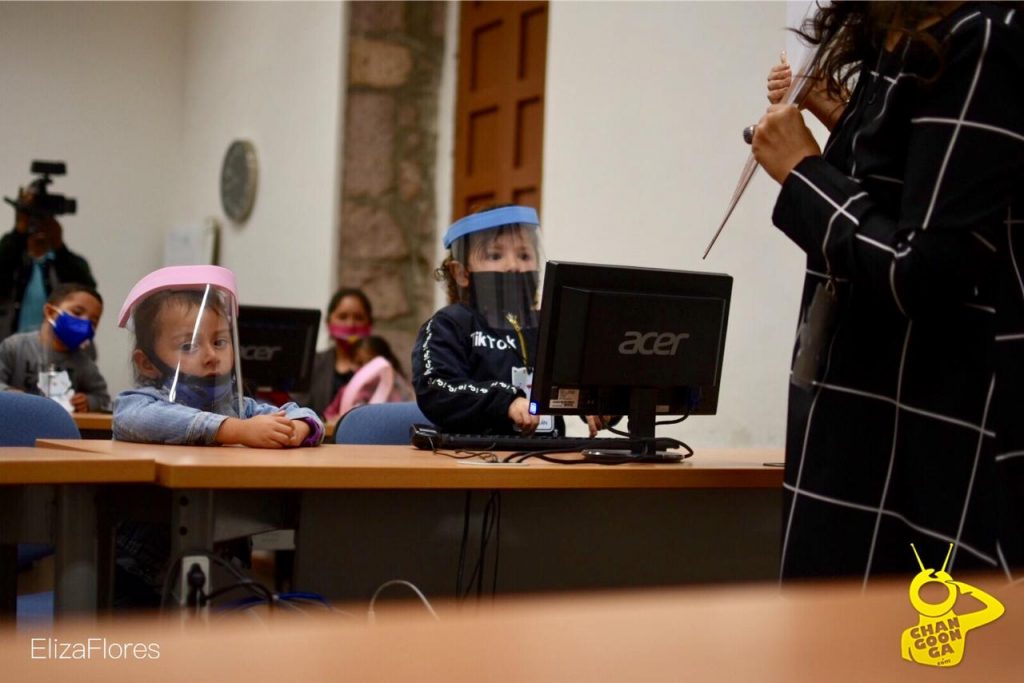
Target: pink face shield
(185, 320)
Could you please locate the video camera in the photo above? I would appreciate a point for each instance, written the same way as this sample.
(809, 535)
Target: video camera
(37, 200)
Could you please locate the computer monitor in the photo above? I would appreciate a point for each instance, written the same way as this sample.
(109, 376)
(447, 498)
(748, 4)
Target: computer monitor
(277, 346)
(640, 342)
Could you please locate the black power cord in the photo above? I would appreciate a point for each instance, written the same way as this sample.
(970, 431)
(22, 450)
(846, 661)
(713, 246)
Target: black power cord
(490, 526)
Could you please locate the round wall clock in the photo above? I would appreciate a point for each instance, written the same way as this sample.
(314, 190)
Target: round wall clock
(238, 176)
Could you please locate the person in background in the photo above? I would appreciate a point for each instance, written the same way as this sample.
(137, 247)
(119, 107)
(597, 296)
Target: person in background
(378, 379)
(53, 361)
(33, 261)
(908, 374)
(349, 319)
(471, 364)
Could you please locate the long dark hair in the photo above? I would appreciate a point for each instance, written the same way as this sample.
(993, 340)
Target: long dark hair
(854, 31)
(379, 347)
(344, 292)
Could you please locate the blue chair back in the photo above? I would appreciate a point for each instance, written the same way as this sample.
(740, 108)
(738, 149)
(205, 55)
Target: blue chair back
(379, 423)
(25, 418)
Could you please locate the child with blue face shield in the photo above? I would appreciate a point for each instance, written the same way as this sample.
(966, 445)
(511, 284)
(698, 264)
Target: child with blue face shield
(473, 360)
(54, 361)
(188, 373)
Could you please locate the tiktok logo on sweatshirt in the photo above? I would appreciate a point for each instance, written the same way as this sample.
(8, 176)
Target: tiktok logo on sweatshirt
(486, 341)
(939, 639)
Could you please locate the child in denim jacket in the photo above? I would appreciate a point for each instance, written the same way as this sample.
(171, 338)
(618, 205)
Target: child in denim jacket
(187, 371)
(185, 361)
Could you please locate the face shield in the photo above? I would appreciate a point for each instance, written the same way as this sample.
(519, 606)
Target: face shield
(496, 263)
(185, 320)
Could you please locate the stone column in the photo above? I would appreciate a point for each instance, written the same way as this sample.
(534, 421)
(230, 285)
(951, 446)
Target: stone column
(388, 212)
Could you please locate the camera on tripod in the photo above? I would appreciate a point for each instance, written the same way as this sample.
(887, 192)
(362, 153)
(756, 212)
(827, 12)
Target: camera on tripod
(36, 200)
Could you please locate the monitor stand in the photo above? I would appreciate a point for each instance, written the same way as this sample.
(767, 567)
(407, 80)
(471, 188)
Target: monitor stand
(642, 416)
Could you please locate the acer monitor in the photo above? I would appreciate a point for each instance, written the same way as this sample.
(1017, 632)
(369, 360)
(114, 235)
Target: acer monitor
(639, 342)
(277, 346)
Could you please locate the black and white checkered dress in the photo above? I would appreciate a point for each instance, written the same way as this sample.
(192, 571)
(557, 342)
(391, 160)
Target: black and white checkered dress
(914, 431)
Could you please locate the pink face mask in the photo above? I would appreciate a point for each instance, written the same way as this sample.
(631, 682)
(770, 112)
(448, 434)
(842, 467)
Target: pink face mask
(349, 333)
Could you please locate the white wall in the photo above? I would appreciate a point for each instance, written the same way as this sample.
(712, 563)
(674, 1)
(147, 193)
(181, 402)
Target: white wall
(645, 106)
(269, 72)
(142, 100)
(98, 85)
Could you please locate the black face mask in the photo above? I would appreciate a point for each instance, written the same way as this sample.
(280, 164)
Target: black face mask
(500, 295)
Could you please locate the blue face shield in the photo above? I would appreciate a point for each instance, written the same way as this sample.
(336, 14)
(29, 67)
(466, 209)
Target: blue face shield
(71, 331)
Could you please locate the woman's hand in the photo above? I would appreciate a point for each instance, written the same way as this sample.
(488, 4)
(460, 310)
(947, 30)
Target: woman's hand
(817, 100)
(779, 79)
(782, 140)
(519, 413)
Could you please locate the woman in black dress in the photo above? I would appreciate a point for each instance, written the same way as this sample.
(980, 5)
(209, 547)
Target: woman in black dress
(906, 405)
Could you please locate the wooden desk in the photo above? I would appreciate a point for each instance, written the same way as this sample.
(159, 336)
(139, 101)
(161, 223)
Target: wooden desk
(93, 425)
(826, 632)
(371, 513)
(403, 467)
(48, 496)
(100, 425)
(24, 465)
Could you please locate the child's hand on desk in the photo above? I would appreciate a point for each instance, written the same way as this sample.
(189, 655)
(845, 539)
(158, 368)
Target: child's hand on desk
(262, 431)
(519, 413)
(80, 402)
(299, 433)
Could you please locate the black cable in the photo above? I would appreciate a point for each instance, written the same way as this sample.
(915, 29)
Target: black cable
(463, 547)
(497, 545)
(656, 424)
(484, 537)
(466, 455)
(487, 527)
(475, 576)
(247, 584)
(256, 587)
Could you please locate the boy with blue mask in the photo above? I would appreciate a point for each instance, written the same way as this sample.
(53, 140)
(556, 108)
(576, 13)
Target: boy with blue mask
(187, 369)
(54, 361)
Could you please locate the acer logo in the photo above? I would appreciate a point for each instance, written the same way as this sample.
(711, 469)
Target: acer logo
(259, 352)
(651, 343)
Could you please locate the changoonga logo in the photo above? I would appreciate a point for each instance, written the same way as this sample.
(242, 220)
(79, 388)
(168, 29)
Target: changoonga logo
(939, 639)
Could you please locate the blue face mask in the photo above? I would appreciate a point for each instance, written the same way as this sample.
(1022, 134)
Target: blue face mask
(72, 331)
(201, 393)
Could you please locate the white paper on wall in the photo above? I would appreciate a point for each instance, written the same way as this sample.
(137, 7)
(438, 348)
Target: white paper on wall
(192, 244)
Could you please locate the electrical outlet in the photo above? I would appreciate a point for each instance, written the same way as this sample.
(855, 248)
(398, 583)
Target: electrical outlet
(187, 563)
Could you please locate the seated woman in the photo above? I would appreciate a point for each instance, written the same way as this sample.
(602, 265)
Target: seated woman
(349, 319)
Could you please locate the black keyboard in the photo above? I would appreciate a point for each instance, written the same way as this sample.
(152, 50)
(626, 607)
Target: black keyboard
(429, 438)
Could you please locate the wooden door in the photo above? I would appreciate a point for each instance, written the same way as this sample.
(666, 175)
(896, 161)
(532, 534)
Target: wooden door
(500, 104)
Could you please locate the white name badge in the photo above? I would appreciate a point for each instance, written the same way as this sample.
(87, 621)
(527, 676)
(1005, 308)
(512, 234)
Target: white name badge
(522, 378)
(56, 385)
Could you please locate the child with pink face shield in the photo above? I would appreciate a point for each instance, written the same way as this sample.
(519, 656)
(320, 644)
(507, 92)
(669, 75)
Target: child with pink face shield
(188, 373)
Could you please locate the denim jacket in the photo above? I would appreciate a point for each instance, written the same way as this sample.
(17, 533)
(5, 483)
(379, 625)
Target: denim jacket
(145, 414)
